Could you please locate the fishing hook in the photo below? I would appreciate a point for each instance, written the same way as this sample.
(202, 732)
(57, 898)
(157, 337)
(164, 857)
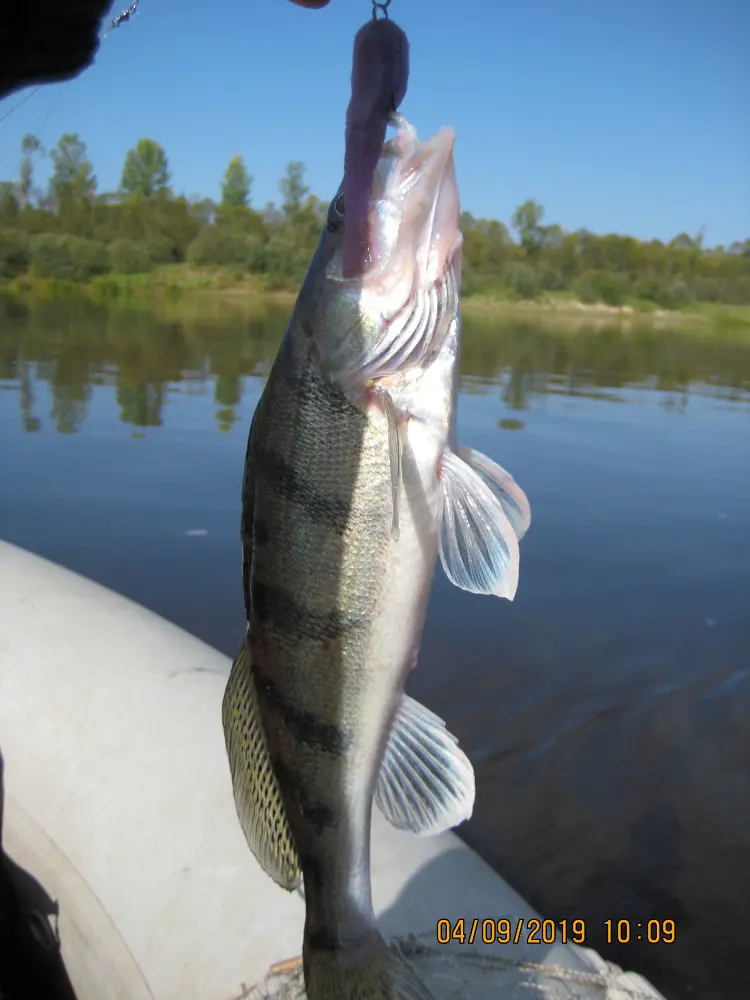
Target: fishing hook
(382, 6)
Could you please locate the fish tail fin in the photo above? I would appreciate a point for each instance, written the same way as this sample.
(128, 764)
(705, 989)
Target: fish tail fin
(370, 970)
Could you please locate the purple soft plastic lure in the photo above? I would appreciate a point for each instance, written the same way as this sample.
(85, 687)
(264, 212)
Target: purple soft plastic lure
(380, 73)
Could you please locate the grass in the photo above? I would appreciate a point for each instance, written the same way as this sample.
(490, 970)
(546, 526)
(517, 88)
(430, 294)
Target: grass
(726, 318)
(174, 281)
(564, 307)
(170, 281)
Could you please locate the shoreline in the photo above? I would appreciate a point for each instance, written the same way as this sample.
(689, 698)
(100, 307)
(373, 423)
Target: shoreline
(176, 282)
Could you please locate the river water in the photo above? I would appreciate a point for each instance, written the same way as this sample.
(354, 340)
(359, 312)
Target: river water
(606, 711)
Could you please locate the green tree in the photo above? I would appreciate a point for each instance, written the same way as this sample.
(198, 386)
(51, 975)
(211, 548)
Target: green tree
(146, 170)
(9, 207)
(524, 281)
(235, 188)
(683, 241)
(173, 218)
(71, 258)
(72, 182)
(30, 146)
(234, 209)
(527, 222)
(74, 233)
(202, 208)
(128, 257)
(293, 189)
(15, 254)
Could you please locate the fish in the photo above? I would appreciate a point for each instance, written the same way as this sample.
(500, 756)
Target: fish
(354, 486)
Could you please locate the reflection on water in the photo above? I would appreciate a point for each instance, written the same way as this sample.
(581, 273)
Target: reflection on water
(607, 710)
(75, 346)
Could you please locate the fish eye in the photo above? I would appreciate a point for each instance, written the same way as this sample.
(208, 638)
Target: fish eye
(336, 214)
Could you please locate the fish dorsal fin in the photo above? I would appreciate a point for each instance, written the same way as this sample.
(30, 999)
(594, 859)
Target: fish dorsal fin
(426, 782)
(256, 789)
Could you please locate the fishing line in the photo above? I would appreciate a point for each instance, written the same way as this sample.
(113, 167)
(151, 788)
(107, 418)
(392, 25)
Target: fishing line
(116, 21)
(9, 190)
(21, 102)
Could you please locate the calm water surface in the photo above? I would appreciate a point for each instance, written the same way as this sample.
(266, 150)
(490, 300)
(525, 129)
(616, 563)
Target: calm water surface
(607, 710)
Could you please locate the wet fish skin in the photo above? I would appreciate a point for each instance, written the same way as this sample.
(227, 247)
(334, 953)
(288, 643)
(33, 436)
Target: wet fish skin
(340, 543)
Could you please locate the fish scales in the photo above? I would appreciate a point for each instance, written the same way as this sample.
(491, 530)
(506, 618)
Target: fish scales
(315, 596)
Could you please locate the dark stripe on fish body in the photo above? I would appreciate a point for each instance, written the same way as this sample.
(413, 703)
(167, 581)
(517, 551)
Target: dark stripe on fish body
(317, 387)
(261, 534)
(305, 727)
(312, 870)
(318, 814)
(278, 606)
(323, 939)
(329, 939)
(287, 482)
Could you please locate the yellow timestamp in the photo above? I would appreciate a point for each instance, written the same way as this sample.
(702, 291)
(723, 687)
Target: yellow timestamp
(522, 931)
(651, 931)
(505, 930)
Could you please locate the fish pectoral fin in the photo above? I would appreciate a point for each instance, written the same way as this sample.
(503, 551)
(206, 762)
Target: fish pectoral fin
(512, 498)
(257, 795)
(395, 453)
(426, 782)
(483, 514)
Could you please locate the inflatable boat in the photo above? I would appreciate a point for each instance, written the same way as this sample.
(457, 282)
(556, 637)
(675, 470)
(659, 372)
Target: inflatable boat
(118, 806)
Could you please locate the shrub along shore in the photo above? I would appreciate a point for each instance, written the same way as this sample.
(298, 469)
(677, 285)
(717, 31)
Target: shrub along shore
(180, 285)
(145, 240)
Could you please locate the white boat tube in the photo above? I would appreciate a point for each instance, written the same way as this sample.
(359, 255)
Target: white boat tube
(119, 801)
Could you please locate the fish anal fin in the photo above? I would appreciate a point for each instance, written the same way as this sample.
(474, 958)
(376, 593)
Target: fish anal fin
(257, 795)
(426, 782)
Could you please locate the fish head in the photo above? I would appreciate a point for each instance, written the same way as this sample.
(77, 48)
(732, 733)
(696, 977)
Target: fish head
(412, 227)
(395, 310)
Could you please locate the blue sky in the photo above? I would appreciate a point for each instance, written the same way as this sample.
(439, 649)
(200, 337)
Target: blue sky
(625, 115)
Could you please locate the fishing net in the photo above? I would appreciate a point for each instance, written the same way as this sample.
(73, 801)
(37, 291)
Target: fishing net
(453, 973)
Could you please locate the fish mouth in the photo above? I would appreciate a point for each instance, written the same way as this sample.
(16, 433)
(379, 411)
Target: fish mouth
(393, 313)
(413, 220)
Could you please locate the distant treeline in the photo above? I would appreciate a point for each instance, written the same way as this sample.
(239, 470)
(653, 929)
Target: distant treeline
(71, 231)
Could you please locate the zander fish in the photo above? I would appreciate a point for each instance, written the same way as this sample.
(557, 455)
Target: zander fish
(354, 483)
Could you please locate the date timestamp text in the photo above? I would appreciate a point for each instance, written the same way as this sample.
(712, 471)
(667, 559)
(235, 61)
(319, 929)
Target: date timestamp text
(518, 930)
